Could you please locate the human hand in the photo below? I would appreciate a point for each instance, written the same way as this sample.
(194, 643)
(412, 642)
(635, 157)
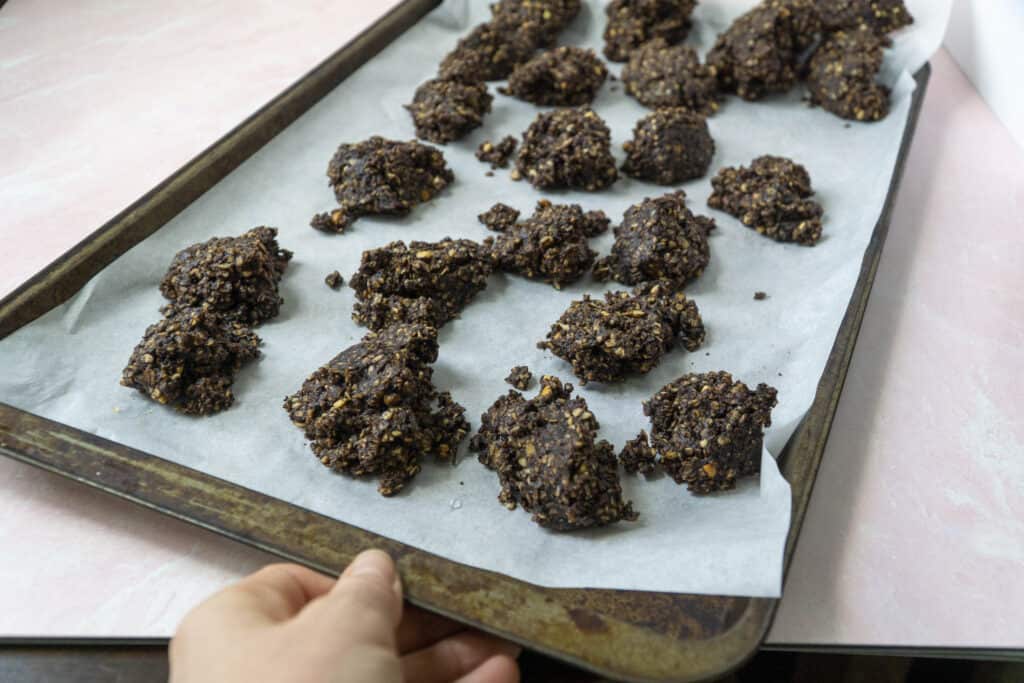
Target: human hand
(289, 624)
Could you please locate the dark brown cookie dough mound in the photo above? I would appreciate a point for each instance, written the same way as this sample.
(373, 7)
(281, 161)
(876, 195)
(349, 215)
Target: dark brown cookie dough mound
(772, 197)
(236, 276)
(520, 377)
(544, 19)
(549, 460)
(841, 76)
(497, 154)
(424, 281)
(625, 333)
(637, 456)
(189, 359)
(708, 429)
(446, 110)
(631, 23)
(566, 76)
(567, 148)
(550, 246)
(373, 410)
(760, 52)
(381, 176)
(663, 75)
(489, 52)
(659, 239)
(878, 16)
(669, 146)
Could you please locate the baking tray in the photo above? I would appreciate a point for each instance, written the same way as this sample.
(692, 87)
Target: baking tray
(625, 635)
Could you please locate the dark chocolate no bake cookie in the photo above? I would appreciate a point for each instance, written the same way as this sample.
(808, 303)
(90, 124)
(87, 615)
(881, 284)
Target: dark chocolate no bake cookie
(489, 52)
(236, 276)
(381, 176)
(189, 359)
(631, 23)
(663, 75)
(772, 196)
(446, 110)
(841, 76)
(424, 281)
(709, 429)
(659, 239)
(549, 459)
(567, 148)
(550, 246)
(373, 410)
(669, 146)
(624, 333)
(760, 52)
(566, 76)
(878, 16)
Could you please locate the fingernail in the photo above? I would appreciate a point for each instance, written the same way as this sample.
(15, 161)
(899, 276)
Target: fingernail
(513, 650)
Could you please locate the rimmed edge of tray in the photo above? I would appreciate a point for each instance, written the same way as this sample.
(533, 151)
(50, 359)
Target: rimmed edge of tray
(608, 632)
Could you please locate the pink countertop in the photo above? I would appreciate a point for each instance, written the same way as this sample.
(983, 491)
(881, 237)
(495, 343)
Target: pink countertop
(915, 533)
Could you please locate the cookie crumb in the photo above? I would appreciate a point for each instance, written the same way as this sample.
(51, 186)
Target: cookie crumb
(520, 377)
(334, 280)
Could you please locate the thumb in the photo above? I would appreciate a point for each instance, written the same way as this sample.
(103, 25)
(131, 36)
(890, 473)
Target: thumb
(364, 607)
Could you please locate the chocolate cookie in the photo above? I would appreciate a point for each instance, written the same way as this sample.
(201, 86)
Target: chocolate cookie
(550, 246)
(631, 23)
(663, 75)
(235, 276)
(659, 239)
(709, 429)
(380, 176)
(189, 359)
(760, 52)
(879, 16)
(772, 197)
(841, 76)
(549, 460)
(669, 146)
(567, 148)
(625, 333)
(489, 52)
(566, 76)
(373, 410)
(446, 110)
(542, 18)
(424, 281)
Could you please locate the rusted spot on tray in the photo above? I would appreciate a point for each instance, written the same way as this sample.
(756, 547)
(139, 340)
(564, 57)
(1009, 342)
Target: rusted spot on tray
(586, 621)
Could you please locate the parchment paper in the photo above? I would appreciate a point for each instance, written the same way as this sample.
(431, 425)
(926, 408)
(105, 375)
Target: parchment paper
(66, 365)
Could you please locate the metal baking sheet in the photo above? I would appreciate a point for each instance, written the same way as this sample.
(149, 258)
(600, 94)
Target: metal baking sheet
(722, 629)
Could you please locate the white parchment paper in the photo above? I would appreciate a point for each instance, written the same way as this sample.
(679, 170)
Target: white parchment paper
(66, 365)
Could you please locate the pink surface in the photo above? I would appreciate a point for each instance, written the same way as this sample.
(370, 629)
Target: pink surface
(915, 532)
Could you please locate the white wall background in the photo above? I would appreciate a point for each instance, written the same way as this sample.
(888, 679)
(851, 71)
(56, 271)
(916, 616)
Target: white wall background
(986, 38)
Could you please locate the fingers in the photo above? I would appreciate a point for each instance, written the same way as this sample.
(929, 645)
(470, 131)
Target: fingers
(455, 656)
(284, 589)
(364, 607)
(420, 628)
(497, 669)
(275, 593)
